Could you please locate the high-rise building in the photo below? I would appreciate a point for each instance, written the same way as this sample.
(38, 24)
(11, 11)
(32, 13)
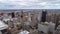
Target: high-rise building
(43, 18)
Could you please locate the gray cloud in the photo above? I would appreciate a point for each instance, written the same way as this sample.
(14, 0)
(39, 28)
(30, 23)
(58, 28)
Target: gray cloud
(29, 4)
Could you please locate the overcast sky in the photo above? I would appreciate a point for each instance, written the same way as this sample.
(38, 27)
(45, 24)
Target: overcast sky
(29, 4)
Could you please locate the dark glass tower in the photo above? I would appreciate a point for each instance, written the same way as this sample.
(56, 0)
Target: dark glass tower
(43, 18)
(13, 15)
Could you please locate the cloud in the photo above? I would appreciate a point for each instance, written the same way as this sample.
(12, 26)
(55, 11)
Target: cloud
(29, 4)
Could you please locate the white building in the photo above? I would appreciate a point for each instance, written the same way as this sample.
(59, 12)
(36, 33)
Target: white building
(2, 26)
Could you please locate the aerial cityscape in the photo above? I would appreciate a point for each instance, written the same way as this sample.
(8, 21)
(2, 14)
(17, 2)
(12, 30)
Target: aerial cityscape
(29, 16)
(30, 21)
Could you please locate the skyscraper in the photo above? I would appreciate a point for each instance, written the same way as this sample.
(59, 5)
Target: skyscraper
(43, 18)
